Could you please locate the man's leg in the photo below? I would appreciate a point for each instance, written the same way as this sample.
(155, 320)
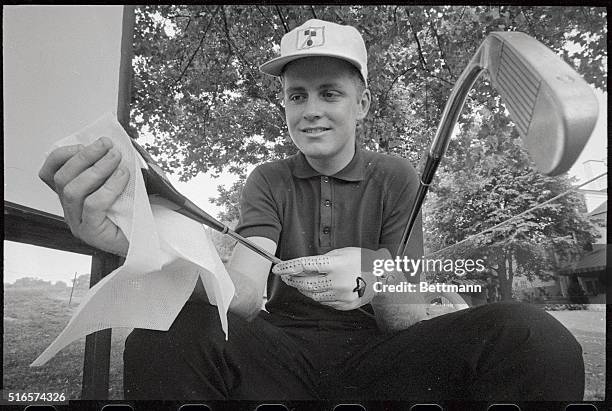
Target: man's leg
(501, 351)
(193, 360)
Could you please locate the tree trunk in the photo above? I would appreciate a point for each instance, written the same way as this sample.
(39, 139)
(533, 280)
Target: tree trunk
(505, 277)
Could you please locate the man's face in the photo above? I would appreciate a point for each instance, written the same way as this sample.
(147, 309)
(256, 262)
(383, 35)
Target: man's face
(322, 106)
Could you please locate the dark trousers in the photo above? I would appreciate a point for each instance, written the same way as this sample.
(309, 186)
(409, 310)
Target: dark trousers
(499, 351)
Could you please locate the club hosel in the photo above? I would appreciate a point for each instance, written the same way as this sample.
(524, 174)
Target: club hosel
(454, 105)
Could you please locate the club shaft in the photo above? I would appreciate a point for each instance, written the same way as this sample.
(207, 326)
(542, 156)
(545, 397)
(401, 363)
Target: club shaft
(253, 246)
(453, 108)
(194, 212)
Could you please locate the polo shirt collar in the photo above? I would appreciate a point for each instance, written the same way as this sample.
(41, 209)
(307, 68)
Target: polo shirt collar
(354, 170)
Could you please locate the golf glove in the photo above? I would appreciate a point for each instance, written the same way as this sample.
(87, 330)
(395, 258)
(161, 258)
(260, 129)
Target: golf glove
(341, 279)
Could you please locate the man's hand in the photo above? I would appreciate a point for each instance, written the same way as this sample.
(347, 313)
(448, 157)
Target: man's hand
(335, 279)
(332, 279)
(88, 180)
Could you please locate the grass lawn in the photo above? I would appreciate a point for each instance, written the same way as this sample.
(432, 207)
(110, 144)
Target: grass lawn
(589, 328)
(32, 320)
(34, 317)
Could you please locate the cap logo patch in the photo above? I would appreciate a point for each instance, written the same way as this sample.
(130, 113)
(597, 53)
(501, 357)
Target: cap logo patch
(310, 37)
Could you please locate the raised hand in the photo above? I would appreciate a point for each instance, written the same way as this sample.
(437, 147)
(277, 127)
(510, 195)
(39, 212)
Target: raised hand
(88, 180)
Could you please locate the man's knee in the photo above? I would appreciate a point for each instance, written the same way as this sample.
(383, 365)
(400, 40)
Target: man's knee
(198, 320)
(543, 333)
(514, 311)
(531, 348)
(524, 314)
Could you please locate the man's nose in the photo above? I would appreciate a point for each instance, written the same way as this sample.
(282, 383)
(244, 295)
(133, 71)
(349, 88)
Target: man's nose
(312, 109)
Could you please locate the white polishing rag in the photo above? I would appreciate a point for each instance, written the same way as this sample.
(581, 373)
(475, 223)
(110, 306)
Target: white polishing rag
(167, 254)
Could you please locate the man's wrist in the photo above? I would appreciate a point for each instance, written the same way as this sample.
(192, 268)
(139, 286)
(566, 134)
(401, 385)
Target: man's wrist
(393, 310)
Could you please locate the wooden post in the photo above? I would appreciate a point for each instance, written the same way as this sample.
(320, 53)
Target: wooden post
(96, 364)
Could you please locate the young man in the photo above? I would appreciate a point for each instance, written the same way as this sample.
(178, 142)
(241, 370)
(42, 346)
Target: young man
(326, 333)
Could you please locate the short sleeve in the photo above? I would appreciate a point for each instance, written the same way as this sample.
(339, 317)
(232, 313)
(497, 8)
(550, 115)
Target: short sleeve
(259, 214)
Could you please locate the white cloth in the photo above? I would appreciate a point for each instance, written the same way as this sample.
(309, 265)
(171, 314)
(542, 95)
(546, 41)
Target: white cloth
(167, 254)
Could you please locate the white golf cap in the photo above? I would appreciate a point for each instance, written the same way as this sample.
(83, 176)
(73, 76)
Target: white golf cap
(320, 38)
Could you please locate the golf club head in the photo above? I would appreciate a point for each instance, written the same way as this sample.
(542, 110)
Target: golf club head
(553, 108)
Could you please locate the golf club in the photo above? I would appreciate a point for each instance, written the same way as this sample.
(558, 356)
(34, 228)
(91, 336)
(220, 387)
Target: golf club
(158, 184)
(553, 108)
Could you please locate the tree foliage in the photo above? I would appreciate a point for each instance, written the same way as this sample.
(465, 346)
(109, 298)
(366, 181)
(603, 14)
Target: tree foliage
(198, 92)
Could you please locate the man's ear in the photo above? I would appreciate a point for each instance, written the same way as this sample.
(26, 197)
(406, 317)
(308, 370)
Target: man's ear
(364, 104)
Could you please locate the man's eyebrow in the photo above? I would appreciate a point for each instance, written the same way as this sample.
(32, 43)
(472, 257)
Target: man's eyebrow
(324, 86)
(330, 85)
(295, 89)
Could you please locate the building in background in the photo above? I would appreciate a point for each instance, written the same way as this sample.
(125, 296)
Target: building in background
(595, 193)
(590, 270)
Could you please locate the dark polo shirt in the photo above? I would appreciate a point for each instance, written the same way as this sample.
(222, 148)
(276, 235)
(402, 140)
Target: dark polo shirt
(365, 205)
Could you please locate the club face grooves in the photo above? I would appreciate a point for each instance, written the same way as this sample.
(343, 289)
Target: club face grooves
(519, 88)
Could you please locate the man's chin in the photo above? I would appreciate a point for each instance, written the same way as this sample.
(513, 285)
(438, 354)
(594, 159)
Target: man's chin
(316, 154)
(319, 154)
(321, 150)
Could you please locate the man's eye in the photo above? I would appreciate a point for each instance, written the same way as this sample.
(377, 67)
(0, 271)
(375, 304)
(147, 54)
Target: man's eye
(331, 94)
(297, 98)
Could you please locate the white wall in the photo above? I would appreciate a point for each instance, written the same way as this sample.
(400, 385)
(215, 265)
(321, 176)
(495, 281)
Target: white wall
(61, 72)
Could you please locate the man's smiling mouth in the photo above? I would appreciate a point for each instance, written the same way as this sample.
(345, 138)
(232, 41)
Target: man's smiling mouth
(314, 130)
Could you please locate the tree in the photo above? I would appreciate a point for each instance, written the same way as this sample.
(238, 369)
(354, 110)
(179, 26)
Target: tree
(81, 282)
(229, 198)
(60, 285)
(31, 282)
(488, 179)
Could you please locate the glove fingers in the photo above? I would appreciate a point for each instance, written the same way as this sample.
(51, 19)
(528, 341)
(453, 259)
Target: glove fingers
(307, 265)
(289, 267)
(304, 274)
(318, 283)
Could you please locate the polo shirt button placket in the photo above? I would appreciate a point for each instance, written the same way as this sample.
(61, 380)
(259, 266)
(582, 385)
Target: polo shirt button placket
(326, 212)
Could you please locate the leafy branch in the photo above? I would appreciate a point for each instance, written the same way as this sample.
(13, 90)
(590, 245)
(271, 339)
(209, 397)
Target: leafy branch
(198, 47)
(282, 19)
(247, 64)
